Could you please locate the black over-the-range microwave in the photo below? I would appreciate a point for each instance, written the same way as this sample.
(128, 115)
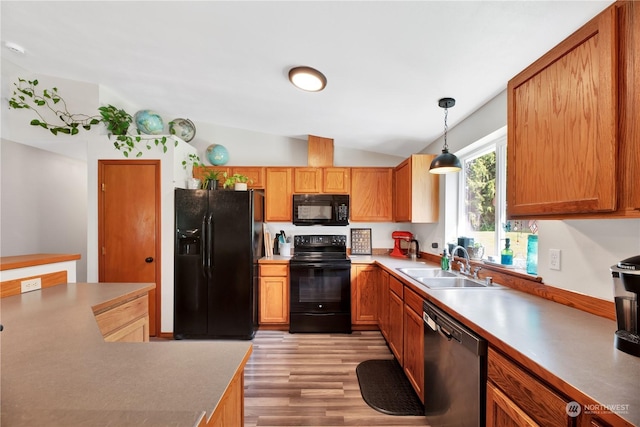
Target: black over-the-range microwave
(321, 209)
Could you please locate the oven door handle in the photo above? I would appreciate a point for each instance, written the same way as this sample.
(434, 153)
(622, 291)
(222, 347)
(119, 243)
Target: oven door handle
(319, 265)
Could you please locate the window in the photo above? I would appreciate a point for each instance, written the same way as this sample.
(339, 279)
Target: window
(482, 200)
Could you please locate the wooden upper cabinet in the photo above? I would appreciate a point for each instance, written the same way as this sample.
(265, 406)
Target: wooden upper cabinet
(336, 180)
(278, 194)
(307, 180)
(200, 171)
(255, 174)
(371, 194)
(416, 190)
(629, 89)
(562, 119)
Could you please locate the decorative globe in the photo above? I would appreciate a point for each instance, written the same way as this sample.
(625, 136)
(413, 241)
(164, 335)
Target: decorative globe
(182, 128)
(148, 122)
(217, 154)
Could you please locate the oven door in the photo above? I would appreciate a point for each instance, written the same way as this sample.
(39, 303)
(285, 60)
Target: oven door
(320, 287)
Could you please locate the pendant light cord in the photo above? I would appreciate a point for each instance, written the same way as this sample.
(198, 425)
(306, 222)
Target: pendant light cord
(446, 128)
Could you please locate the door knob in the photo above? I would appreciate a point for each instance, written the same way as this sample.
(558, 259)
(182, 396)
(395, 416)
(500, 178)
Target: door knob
(148, 259)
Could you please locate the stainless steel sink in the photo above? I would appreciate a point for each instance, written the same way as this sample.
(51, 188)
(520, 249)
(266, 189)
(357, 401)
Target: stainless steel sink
(416, 273)
(449, 282)
(436, 278)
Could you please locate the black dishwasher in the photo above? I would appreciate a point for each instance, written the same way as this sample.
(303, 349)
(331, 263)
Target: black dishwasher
(455, 371)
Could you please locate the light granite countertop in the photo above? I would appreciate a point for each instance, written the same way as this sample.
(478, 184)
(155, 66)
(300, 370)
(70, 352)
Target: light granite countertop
(58, 371)
(573, 346)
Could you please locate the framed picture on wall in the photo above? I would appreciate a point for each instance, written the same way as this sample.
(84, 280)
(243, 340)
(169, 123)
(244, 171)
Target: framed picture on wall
(360, 241)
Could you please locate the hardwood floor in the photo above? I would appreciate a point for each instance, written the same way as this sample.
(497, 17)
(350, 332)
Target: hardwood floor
(310, 380)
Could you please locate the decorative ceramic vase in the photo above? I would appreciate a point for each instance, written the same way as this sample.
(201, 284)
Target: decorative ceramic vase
(193, 183)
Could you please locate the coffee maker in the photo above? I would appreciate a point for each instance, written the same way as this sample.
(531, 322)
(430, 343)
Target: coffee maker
(626, 283)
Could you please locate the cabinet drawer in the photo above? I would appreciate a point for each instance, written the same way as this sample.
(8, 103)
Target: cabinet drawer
(413, 300)
(537, 400)
(274, 270)
(396, 286)
(123, 314)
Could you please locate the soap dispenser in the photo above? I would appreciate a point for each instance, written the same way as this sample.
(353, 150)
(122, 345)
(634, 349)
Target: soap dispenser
(506, 256)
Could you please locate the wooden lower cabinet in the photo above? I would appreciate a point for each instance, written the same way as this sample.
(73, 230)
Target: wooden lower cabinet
(413, 353)
(383, 304)
(274, 295)
(364, 303)
(125, 321)
(396, 318)
(516, 398)
(230, 410)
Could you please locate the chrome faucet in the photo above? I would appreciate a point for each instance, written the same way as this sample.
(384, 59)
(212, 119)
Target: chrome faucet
(466, 267)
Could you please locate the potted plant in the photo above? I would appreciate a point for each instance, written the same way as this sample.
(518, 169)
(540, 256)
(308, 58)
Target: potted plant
(53, 115)
(238, 181)
(210, 179)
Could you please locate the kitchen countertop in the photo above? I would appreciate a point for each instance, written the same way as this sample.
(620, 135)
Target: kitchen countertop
(573, 346)
(58, 370)
(21, 261)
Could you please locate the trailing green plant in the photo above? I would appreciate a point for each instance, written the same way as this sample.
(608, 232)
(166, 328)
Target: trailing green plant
(193, 160)
(236, 177)
(27, 96)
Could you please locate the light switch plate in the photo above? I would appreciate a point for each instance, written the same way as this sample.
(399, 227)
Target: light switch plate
(554, 259)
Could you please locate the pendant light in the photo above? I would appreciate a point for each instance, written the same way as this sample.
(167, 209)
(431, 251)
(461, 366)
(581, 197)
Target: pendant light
(445, 162)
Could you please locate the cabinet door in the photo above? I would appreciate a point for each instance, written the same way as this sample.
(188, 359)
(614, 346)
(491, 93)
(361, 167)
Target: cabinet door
(278, 194)
(547, 409)
(371, 194)
(630, 107)
(364, 281)
(414, 346)
(503, 412)
(274, 300)
(562, 121)
(396, 330)
(200, 171)
(336, 180)
(307, 180)
(383, 304)
(402, 201)
(255, 174)
(416, 191)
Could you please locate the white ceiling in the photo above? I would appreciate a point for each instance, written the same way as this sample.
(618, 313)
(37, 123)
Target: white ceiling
(226, 62)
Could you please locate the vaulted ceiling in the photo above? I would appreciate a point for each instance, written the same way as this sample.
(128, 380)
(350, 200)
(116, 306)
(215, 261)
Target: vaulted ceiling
(226, 62)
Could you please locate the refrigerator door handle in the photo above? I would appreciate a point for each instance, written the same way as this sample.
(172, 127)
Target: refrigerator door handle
(209, 244)
(203, 247)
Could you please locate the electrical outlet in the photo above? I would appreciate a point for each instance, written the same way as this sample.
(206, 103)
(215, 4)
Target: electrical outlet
(554, 259)
(30, 285)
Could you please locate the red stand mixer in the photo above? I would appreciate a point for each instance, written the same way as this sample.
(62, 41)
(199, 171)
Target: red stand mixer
(399, 237)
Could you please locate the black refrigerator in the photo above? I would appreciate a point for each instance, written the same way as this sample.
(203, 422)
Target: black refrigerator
(218, 243)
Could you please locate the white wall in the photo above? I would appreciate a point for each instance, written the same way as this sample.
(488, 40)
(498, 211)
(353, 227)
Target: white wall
(43, 206)
(589, 247)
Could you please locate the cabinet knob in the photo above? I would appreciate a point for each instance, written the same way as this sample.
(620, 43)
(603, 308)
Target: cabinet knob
(148, 259)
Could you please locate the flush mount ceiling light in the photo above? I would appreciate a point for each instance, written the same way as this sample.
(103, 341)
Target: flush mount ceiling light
(307, 78)
(445, 162)
(14, 47)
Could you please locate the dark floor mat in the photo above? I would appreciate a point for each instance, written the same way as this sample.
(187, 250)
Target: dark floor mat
(385, 388)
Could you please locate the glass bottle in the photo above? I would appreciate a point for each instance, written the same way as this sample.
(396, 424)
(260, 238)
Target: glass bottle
(506, 256)
(532, 254)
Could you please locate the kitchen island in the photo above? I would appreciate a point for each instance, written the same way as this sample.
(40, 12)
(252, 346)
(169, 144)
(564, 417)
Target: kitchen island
(57, 369)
